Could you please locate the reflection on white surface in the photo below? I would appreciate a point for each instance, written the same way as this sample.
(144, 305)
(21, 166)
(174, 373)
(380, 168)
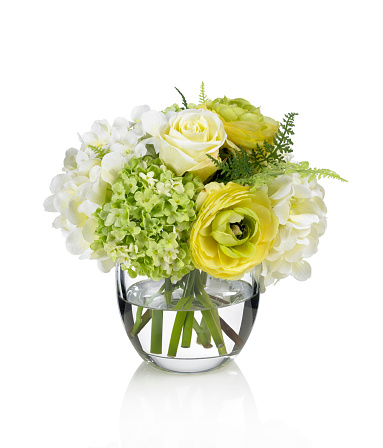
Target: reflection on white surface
(111, 445)
(191, 411)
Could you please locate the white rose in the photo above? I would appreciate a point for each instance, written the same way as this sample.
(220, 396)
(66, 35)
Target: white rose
(187, 139)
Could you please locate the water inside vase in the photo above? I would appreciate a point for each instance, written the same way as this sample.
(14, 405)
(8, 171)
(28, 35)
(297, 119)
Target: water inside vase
(236, 303)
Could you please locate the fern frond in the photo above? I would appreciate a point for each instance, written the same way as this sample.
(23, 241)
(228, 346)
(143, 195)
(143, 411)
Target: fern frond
(202, 95)
(282, 144)
(282, 140)
(184, 102)
(269, 174)
(260, 166)
(239, 165)
(100, 152)
(304, 170)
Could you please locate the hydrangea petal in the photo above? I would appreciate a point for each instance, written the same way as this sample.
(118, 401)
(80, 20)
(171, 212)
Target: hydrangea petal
(138, 111)
(89, 229)
(49, 204)
(302, 221)
(111, 165)
(75, 242)
(153, 122)
(301, 271)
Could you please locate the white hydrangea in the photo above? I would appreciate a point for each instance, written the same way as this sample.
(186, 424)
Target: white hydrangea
(87, 173)
(301, 211)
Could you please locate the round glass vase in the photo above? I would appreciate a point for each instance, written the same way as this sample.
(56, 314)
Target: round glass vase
(197, 324)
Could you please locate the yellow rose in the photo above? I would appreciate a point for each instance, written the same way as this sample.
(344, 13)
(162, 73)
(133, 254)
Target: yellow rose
(234, 231)
(188, 138)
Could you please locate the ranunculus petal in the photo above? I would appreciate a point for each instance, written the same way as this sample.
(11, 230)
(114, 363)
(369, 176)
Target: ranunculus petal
(223, 257)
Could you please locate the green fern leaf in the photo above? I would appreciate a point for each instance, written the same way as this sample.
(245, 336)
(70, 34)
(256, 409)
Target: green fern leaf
(202, 95)
(100, 152)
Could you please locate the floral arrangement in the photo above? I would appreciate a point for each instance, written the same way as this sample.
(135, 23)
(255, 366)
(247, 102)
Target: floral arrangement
(190, 191)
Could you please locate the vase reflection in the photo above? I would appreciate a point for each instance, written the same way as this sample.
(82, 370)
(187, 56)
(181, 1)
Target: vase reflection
(195, 411)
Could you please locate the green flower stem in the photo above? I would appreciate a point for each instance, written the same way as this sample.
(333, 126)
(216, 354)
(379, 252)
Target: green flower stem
(210, 315)
(185, 303)
(168, 291)
(187, 331)
(205, 330)
(188, 291)
(156, 337)
(181, 303)
(179, 323)
(176, 332)
(204, 278)
(144, 320)
(215, 331)
(138, 319)
(202, 337)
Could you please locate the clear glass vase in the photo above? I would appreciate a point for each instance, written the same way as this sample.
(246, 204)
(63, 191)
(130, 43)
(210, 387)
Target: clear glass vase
(195, 325)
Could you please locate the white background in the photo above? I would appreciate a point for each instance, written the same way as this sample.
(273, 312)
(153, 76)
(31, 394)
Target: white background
(311, 374)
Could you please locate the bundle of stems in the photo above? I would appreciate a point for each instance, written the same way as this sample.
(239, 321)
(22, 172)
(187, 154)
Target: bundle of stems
(210, 328)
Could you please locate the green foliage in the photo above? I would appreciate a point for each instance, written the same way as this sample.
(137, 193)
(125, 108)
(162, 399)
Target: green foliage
(282, 144)
(236, 166)
(269, 174)
(100, 152)
(184, 102)
(261, 166)
(173, 108)
(243, 164)
(150, 151)
(202, 96)
(282, 140)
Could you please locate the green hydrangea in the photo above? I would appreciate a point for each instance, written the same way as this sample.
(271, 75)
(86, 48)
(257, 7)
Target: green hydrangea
(176, 108)
(146, 221)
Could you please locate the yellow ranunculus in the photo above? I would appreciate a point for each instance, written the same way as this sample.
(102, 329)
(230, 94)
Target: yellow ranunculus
(188, 138)
(234, 231)
(244, 124)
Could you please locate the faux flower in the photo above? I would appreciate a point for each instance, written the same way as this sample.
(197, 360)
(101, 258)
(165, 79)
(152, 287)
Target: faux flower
(234, 231)
(87, 175)
(244, 124)
(146, 222)
(187, 138)
(209, 188)
(301, 211)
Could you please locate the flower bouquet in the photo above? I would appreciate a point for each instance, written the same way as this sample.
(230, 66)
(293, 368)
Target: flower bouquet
(200, 207)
